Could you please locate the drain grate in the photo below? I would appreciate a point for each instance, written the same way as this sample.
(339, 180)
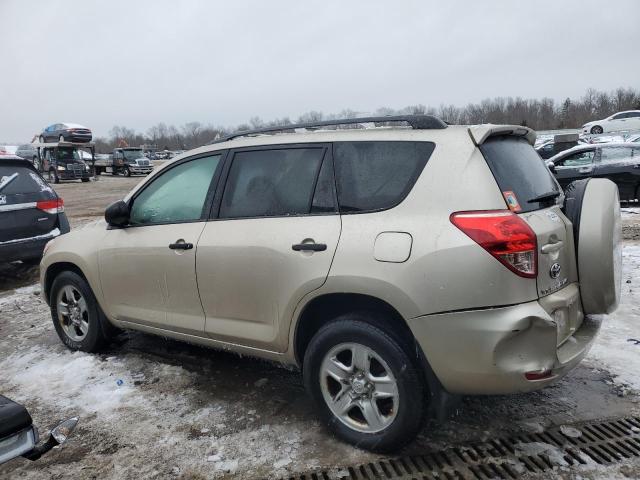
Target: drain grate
(602, 442)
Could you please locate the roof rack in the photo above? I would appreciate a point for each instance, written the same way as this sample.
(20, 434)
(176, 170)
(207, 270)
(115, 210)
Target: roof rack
(417, 122)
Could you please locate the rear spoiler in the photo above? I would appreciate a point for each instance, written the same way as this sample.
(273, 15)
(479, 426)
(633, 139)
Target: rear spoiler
(480, 133)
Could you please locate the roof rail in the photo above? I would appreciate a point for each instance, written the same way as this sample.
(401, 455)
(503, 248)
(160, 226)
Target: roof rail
(417, 122)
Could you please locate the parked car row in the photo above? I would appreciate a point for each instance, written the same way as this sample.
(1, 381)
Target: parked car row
(619, 162)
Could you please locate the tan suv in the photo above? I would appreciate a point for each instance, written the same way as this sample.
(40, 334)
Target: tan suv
(395, 265)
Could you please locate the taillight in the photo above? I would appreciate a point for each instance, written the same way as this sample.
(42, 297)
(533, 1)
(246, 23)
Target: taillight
(504, 235)
(51, 206)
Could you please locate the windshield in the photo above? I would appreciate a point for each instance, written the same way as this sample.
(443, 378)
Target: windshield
(132, 154)
(69, 154)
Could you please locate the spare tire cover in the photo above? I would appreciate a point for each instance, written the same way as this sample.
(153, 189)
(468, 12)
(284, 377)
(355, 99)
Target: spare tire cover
(593, 206)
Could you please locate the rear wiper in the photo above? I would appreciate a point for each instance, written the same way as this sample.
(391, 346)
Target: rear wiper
(545, 196)
(7, 180)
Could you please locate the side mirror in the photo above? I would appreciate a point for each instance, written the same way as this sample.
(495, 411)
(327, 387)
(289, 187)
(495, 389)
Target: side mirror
(551, 166)
(117, 214)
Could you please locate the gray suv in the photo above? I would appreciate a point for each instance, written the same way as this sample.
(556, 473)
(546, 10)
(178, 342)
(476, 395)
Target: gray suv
(397, 265)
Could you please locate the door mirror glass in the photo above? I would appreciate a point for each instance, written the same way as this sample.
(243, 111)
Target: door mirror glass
(61, 432)
(117, 214)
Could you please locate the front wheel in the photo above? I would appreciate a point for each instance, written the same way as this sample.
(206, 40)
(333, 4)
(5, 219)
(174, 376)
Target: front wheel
(367, 388)
(61, 138)
(76, 316)
(596, 130)
(127, 172)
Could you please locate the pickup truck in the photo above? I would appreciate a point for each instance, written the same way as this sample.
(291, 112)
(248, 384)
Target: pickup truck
(124, 161)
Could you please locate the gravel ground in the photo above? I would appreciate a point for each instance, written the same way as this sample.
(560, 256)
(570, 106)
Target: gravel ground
(156, 408)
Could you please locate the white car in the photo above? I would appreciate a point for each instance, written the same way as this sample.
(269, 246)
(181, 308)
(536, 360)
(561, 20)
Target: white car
(629, 120)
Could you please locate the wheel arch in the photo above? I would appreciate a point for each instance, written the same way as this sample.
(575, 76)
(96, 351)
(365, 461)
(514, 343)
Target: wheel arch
(56, 269)
(324, 308)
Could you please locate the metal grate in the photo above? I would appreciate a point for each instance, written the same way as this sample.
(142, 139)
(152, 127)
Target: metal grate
(602, 442)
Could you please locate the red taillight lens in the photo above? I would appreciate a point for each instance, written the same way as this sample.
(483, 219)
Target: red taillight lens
(504, 235)
(51, 206)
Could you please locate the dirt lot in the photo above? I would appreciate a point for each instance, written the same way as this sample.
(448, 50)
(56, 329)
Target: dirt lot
(156, 408)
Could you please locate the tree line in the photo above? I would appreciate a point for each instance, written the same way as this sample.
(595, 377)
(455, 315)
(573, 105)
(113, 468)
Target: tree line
(539, 114)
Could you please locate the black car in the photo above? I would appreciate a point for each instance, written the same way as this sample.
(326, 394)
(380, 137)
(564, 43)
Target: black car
(619, 162)
(19, 437)
(31, 213)
(65, 132)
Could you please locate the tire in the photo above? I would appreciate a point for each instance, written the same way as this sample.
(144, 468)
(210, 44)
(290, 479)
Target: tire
(53, 176)
(399, 417)
(85, 180)
(41, 139)
(92, 331)
(127, 172)
(61, 138)
(596, 130)
(593, 207)
(36, 163)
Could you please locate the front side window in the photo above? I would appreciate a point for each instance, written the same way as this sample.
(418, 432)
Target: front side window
(268, 183)
(374, 176)
(578, 159)
(177, 195)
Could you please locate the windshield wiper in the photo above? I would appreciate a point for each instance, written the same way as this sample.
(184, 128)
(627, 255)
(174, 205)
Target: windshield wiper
(544, 197)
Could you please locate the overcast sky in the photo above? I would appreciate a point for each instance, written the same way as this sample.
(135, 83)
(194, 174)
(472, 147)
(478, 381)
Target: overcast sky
(137, 63)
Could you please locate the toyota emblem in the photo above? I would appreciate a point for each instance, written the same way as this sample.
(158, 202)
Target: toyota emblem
(554, 271)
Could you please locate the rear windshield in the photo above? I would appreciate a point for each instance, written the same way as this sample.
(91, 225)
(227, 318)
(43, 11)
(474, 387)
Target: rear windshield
(374, 176)
(521, 175)
(20, 180)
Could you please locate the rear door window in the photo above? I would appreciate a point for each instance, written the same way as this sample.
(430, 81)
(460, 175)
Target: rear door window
(275, 182)
(520, 173)
(373, 176)
(578, 159)
(617, 154)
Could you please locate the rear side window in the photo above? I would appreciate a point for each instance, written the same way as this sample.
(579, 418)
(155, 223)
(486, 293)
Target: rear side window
(521, 175)
(374, 176)
(270, 183)
(21, 180)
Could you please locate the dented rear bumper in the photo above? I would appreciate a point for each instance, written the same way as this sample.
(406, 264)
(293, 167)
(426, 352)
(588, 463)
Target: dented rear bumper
(489, 351)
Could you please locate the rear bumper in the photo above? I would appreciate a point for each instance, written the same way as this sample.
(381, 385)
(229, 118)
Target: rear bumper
(29, 248)
(489, 351)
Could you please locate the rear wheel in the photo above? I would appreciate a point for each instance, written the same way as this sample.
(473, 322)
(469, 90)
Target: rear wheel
(367, 388)
(61, 138)
(84, 180)
(52, 176)
(77, 317)
(596, 130)
(41, 138)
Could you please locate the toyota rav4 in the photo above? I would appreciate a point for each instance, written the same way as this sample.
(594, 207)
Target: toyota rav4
(395, 265)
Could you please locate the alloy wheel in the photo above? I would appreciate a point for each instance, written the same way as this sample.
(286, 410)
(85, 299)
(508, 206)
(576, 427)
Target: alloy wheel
(359, 387)
(73, 313)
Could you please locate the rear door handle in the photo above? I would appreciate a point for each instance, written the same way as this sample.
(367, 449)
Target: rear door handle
(181, 245)
(309, 247)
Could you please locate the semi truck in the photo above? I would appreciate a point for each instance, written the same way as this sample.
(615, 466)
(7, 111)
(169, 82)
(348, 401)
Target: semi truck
(125, 161)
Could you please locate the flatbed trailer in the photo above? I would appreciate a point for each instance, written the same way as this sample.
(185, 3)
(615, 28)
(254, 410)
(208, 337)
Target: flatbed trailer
(125, 161)
(62, 160)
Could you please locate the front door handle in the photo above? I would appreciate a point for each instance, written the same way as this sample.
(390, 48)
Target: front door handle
(309, 247)
(585, 170)
(181, 245)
